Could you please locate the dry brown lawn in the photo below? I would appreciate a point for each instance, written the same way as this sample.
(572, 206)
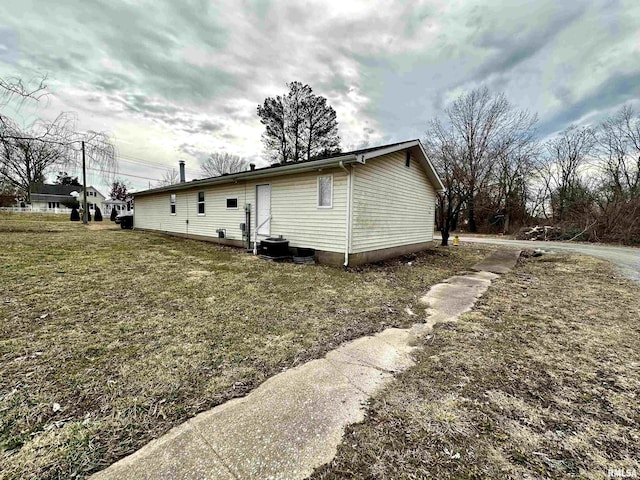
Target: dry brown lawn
(540, 380)
(109, 338)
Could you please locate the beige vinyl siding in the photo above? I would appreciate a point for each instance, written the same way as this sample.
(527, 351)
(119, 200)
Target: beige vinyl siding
(216, 215)
(296, 216)
(392, 205)
(294, 211)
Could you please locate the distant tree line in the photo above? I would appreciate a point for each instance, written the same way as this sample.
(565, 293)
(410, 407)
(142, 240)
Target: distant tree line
(499, 176)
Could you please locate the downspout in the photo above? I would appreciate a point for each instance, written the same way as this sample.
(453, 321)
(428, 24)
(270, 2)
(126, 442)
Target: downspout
(347, 237)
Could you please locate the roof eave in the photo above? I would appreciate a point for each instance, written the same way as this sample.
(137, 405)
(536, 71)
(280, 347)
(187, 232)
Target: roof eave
(256, 174)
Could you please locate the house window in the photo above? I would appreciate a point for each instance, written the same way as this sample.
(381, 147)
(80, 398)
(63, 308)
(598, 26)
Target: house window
(325, 191)
(200, 203)
(172, 203)
(407, 159)
(232, 203)
(54, 204)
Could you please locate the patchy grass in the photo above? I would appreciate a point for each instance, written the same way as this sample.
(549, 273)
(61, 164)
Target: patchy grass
(108, 338)
(541, 380)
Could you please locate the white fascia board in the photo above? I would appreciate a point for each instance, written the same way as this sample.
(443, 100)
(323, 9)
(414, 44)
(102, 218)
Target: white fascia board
(433, 170)
(384, 151)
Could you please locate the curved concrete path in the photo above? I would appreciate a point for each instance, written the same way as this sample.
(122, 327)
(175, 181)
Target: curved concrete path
(294, 422)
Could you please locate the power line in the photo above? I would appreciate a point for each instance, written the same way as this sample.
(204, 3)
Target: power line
(133, 162)
(145, 161)
(123, 174)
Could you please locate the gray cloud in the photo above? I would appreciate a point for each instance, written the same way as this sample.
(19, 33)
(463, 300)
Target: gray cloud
(197, 70)
(616, 91)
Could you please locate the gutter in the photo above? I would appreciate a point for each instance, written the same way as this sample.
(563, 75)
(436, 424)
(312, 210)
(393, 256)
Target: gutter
(347, 236)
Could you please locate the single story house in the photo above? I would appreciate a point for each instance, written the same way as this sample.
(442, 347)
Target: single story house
(350, 208)
(52, 197)
(111, 203)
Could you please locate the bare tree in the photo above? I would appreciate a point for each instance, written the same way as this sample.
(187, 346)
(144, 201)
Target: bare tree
(445, 154)
(221, 163)
(618, 146)
(562, 167)
(170, 177)
(15, 87)
(482, 146)
(512, 189)
(15, 90)
(485, 127)
(28, 154)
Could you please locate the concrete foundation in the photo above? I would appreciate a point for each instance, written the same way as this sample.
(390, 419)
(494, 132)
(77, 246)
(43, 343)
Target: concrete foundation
(386, 253)
(321, 256)
(203, 238)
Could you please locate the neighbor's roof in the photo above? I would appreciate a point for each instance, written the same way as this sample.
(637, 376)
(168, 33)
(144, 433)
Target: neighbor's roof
(355, 156)
(54, 189)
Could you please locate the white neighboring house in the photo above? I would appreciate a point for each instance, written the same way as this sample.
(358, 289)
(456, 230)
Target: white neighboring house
(52, 197)
(351, 208)
(111, 203)
(94, 199)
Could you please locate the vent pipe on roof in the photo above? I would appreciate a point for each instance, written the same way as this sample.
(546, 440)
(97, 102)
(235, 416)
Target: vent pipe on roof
(252, 166)
(182, 176)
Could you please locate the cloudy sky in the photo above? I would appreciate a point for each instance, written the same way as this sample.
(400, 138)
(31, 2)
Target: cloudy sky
(175, 80)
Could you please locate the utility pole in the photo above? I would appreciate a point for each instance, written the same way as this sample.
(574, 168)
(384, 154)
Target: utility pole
(85, 213)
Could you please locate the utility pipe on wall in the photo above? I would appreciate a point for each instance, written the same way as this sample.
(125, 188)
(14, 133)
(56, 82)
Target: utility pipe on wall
(347, 236)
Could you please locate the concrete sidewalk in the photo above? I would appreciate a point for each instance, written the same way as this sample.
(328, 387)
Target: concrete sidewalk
(294, 422)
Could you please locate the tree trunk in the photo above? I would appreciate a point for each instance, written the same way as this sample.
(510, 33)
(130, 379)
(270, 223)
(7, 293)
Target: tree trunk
(445, 237)
(472, 215)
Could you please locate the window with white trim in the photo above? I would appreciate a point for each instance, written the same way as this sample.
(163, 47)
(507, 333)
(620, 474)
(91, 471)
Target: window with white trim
(172, 203)
(200, 203)
(325, 191)
(232, 203)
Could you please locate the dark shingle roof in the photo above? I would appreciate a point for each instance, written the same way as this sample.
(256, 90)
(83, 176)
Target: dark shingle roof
(274, 167)
(315, 159)
(46, 189)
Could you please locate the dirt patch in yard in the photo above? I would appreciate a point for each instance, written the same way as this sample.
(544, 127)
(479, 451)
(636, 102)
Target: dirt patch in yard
(108, 337)
(540, 380)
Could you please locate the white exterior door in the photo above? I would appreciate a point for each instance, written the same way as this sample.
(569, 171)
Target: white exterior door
(263, 209)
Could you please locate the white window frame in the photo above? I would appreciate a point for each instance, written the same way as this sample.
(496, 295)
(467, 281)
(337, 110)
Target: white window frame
(203, 202)
(318, 192)
(173, 201)
(231, 198)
